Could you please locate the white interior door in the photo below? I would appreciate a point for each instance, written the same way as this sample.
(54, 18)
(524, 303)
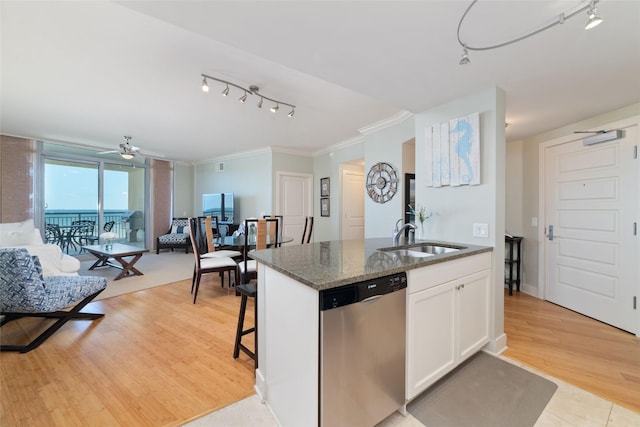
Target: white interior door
(293, 201)
(591, 243)
(352, 204)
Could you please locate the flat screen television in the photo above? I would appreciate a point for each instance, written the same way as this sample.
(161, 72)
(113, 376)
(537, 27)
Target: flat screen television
(220, 205)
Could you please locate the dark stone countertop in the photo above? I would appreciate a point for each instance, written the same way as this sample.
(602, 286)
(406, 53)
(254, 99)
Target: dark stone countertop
(326, 265)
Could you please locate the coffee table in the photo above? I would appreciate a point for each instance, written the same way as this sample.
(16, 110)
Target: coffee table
(118, 252)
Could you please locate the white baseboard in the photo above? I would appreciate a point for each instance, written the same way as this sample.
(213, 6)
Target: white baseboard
(260, 386)
(497, 346)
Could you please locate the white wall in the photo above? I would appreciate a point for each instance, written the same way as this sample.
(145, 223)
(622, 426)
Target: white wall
(328, 165)
(386, 145)
(248, 176)
(513, 208)
(455, 209)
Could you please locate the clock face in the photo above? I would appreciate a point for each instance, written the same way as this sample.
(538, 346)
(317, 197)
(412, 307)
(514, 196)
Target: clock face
(382, 182)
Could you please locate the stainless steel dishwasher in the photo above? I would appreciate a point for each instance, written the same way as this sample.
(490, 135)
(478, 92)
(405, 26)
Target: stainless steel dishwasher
(362, 351)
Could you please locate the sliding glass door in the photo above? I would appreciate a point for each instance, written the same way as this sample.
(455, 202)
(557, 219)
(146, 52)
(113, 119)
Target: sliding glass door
(98, 194)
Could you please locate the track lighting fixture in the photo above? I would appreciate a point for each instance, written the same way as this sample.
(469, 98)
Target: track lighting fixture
(593, 21)
(252, 90)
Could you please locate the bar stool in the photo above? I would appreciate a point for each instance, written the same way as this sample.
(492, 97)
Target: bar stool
(247, 291)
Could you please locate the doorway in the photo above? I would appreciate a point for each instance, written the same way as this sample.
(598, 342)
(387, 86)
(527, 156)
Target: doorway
(590, 239)
(294, 202)
(352, 201)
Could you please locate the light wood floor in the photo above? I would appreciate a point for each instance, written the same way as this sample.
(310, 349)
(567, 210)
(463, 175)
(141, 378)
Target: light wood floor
(156, 359)
(574, 348)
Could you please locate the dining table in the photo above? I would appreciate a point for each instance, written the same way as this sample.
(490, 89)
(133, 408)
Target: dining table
(237, 242)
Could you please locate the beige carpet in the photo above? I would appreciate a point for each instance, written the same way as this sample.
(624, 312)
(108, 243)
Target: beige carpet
(161, 269)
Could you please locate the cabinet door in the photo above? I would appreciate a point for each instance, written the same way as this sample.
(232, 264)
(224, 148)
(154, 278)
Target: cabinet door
(431, 341)
(472, 313)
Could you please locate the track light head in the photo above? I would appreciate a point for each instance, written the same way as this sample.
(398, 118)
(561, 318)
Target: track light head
(465, 56)
(292, 112)
(243, 98)
(275, 108)
(260, 102)
(225, 92)
(205, 86)
(594, 19)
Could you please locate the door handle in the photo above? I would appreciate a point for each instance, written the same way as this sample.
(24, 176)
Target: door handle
(550, 234)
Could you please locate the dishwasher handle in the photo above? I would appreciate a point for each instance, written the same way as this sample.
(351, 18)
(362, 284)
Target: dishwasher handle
(371, 298)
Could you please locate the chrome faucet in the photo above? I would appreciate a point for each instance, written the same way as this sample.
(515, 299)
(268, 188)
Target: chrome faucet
(397, 232)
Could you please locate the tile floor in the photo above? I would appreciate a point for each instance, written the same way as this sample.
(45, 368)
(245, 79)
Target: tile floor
(569, 407)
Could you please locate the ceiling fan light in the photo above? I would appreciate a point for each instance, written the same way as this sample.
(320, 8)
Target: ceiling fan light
(225, 92)
(205, 86)
(275, 108)
(127, 156)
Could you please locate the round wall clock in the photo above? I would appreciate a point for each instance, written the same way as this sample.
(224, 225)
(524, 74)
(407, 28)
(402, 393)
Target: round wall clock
(382, 182)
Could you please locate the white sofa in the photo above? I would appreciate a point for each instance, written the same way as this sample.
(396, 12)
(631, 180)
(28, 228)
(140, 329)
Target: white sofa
(25, 235)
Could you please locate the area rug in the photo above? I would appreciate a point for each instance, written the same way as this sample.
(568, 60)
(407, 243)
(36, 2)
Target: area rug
(484, 391)
(158, 270)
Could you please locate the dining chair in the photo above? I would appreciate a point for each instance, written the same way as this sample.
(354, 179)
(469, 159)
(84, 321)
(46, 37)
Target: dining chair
(264, 228)
(207, 265)
(280, 219)
(308, 230)
(106, 228)
(53, 234)
(80, 233)
(210, 223)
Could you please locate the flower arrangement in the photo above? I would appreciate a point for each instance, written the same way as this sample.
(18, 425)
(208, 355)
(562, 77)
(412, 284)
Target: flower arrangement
(107, 237)
(420, 213)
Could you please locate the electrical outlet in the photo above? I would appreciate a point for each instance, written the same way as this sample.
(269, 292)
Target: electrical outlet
(480, 230)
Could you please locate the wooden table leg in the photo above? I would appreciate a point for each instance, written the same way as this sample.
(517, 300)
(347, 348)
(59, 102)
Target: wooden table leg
(127, 266)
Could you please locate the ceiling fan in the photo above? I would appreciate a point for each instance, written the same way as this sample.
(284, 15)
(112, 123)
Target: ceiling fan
(127, 151)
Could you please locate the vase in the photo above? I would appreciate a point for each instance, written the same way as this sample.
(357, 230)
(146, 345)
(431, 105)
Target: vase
(421, 231)
(108, 245)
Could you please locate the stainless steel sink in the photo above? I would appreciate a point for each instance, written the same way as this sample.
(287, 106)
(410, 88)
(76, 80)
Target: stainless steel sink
(408, 253)
(420, 250)
(432, 249)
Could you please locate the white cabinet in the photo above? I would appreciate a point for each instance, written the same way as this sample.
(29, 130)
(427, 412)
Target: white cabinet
(447, 318)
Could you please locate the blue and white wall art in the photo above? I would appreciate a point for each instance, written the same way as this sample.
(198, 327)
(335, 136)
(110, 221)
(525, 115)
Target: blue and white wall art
(452, 152)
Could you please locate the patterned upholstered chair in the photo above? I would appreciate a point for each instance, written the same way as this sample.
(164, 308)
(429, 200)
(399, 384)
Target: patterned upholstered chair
(176, 238)
(24, 292)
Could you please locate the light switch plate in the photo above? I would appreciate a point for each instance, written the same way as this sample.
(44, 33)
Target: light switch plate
(480, 230)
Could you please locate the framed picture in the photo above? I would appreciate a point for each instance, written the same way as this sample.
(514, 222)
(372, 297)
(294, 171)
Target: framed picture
(324, 187)
(324, 207)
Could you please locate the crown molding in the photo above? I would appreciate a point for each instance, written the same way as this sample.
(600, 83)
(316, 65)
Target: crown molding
(237, 155)
(383, 124)
(340, 145)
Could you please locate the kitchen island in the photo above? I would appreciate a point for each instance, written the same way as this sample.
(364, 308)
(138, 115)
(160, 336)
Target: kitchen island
(291, 278)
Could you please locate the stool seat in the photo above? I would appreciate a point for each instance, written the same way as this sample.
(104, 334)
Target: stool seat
(246, 291)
